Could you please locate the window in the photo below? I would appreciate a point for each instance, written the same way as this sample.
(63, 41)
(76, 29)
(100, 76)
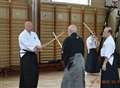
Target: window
(84, 2)
(111, 3)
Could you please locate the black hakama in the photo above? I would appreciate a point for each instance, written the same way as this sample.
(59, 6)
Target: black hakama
(29, 70)
(92, 62)
(110, 77)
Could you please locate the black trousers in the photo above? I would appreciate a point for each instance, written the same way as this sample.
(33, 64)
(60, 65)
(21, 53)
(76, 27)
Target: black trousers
(29, 71)
(110, 77)
(92, 62)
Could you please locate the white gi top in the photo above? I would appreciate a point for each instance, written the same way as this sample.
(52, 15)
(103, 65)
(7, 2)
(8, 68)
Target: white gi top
(108, 49)
(91, 43)
(28, 41)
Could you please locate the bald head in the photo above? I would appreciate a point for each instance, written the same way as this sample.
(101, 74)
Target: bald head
(28, 26)
(107, 31)
(72, 29)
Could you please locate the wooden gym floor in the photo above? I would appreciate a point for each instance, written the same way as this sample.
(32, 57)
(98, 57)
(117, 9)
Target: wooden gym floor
(49, 80)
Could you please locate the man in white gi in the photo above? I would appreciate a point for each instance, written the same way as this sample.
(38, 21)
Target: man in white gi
(109, 71)
(29, 44)
(92, 62)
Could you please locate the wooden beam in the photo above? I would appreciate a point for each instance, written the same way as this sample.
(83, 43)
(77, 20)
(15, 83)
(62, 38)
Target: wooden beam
(10, 27)
(55, 42)
(29, 10)
(69, 15)
(95, 21)
(82, 28)
(39, 23)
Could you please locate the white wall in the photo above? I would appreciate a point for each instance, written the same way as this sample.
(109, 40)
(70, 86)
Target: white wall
(98, 3)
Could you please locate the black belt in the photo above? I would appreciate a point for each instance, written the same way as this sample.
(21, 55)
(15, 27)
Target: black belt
(28, 51)
(92, 49)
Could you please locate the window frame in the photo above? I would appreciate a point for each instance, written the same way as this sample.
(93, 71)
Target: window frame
(59, 1)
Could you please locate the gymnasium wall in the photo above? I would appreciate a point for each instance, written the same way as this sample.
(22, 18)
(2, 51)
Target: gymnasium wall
(57, 17)
(53, 18)
(12, 18)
